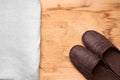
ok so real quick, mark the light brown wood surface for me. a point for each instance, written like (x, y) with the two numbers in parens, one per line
(64, 22)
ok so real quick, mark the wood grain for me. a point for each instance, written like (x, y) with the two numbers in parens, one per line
(64, 22)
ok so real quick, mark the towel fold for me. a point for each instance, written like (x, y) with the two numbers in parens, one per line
(19, 39)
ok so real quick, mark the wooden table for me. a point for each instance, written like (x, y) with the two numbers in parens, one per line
(64, 22)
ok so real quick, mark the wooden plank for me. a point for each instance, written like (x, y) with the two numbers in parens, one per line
(63, 23)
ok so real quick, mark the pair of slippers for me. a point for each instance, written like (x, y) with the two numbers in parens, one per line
(100, 60)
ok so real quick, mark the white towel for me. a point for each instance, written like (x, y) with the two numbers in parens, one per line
(19, 39)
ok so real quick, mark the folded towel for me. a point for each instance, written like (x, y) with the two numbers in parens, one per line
(19, 39)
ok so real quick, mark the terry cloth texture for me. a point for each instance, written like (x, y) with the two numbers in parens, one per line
(19, 39)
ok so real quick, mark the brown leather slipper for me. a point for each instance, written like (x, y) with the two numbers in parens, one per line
(90, 65)
(102, 47)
